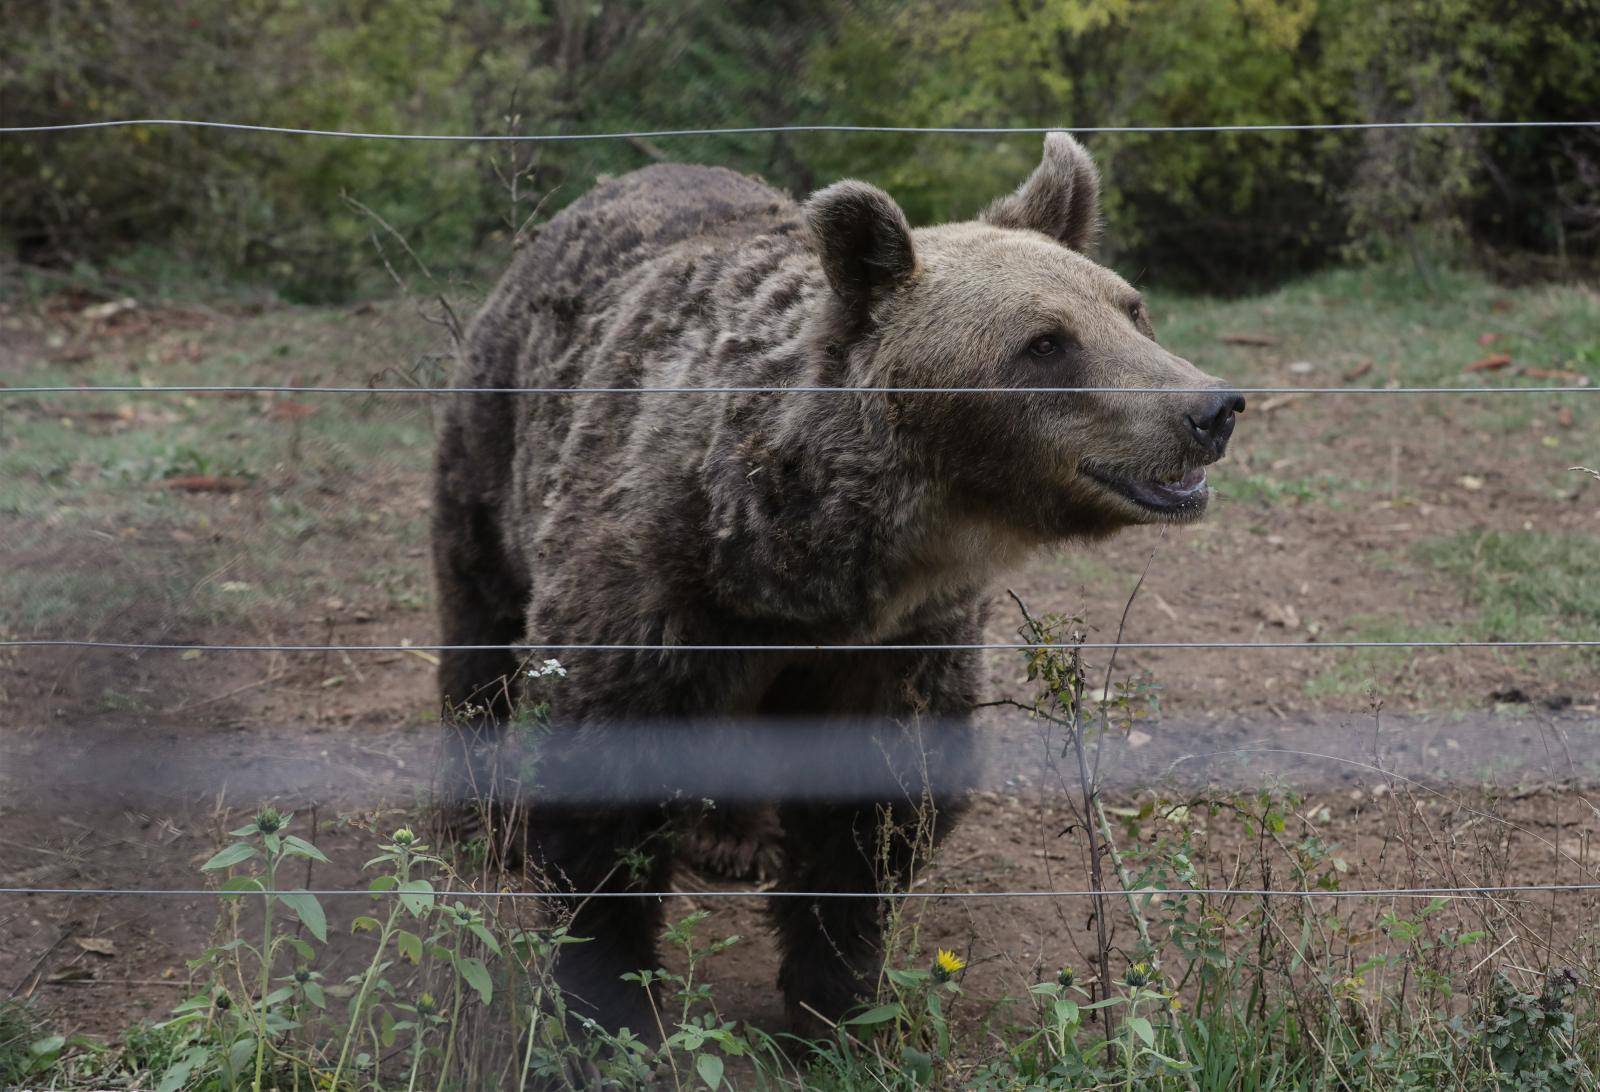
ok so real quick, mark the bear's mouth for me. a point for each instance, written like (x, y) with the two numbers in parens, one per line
(1185, 495)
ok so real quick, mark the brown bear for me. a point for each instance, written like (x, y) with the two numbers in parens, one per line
(874, 506)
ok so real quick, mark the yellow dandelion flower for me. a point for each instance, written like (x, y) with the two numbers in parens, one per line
(946, 965)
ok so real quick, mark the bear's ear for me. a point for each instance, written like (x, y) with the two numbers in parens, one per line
(1061, 198)
(863, 240)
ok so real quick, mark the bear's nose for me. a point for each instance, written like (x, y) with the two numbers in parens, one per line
(1211, 422)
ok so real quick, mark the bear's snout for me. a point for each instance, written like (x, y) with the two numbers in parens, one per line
(1211, 421)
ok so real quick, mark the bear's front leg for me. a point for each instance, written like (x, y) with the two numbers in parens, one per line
(595, 857)
(896, 727)
(832, 947)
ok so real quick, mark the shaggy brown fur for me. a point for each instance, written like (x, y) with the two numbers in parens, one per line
(787, 519)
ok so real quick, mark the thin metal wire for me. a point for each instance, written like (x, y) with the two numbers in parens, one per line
(1486, 891)
(137, 646)
(285, 389)
(752, 130)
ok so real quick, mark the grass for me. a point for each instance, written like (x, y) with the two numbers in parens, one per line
(1339, 318)
(28, 1048)
(1357, 673)
(86, 483)
(1265, 490)
(1522, 583)
(1511, 586)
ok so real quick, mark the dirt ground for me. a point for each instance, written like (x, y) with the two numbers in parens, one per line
(122, 770)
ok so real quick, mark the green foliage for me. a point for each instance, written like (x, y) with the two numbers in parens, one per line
(266, 1014)
(1227, 208)
(1528, 1036)
(268, 209)
(1231, 993)
(28, 1049)
(301, 213)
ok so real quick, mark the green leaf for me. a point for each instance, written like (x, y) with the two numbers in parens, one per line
(416, 896)
(230, 856)
(48, 1046)
(276, 997)
(919, 1062)
(1141, 1027)
(235, 885)
(364, 922)
(315, 995)
(487, 937)
(305, 904)
(302, 949)
(299, 847)
(477, 976)
(409, 944)
(908, 979)
(709, 1066)
(177, 1076)
(880, 1015)
(240, 1053)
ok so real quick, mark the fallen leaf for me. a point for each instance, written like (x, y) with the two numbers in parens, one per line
(102, 311)
(100, 946)
(1555, 373)
(1488, 339)
(1500, 306)
(1469, 482)
(290, 411)
(1358, 371)
(1492, 362)
(1163, 606)
(72, 974)
(1281, 614)
(205, 483)
(1258, 340)
(1302, 367)
(1277, 401)
(1564, 416)
(1137, 738)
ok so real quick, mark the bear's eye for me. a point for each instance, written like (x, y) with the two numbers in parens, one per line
(1046, 346)
(1136, 310)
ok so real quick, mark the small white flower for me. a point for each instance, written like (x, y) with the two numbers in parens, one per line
(547, 669)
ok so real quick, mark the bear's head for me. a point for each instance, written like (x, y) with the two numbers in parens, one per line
(1010, 301)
